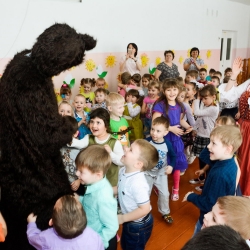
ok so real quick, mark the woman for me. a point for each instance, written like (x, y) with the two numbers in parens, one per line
(233, 211)
(193, 63)
(167, 69)
(130, 62)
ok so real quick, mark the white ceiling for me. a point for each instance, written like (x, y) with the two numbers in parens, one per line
(247, 2)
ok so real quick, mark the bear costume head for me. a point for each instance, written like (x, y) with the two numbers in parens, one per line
(32, 174)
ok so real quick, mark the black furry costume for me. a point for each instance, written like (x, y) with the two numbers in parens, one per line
(32, 175)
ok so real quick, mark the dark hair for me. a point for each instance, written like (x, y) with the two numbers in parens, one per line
(73, 122)
(69, 219)
(90, 81)
(136, 78)
(133, 92)
(217, 78)
(208, 90)
(125, 78)
(194, 49)
(202, 70)
(212, 71)
(134, 46)
(161, 120)
(103, 114)
(218, 73)
(101, 90)
(227, 70)
(193, 73)
(65, 89)
(149, 77)
(226, 79)
(216, 237)
(169, 52)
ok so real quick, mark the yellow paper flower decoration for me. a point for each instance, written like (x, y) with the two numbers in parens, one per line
(90, 65)
(110, 61)
(181, 59)
(209, 53)
(157, 60)
(188, 53)
(119, 78)
(58, 97)
(144, 60)
(173, 51)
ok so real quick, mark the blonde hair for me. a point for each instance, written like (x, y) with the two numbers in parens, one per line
(156, 84)
(236, 212)
(148, 154)
(114, 98)
(80, 95)
(226, 120)
(228, 135)
(95, 158)
(66, 103)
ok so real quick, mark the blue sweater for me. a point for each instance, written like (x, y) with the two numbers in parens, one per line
(221, 181)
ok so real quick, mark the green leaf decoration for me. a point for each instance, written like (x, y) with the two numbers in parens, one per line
(65, 82)
(103, 74)
(72, 83)
(152, 71)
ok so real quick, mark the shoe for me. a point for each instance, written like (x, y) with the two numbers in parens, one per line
(156, 190)
(182, 173)
(175, 196)
(196, 181)
(191, 159)
(168, 218)
(199, 188)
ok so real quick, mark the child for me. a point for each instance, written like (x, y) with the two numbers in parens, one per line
(191, 77)
(203, 75)
(125, 79)
(81, 116)
(99, 203)
(146, 78)
(132, 114)
(228, 72)
(85, 89)
(3, 228)
(69, 229)
(167, 158)
(101, 84)
(221, 181)
(100, 99)
(210, 74)
(168, 106)
(218, 74)
(207, 113)
(65, 93)
(99, 126)
(65, 108)
(215, 80)
(148, 102)
(136, 79)
(119, 125)
(133, 194)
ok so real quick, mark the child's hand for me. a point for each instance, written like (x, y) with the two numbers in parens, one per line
(31, 218)
(169, 169)
(176, 130)
(75, 184)
(185, 197)
(129, 98)
(120, 219)
(188, 130)
(108, 148)
(237, 116)
(199, 172)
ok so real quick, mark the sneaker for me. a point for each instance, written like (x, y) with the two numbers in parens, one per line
(196, 181)
(182, 172)
(199, 188)
(191, 159)
(168, 218)
(175, 194)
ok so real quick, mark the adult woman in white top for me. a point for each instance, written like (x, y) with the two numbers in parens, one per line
(130, 62)
(193, 63)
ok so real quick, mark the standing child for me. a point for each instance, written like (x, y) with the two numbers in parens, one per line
(167, 158)
(3, 228)
(64, 108)
(210, 74)
(133, 195)
(125, 81)
(86, 86)
(119, 125)
(98, 201)
(100, 99)
(132, 114)
(69, 229)
(65, 93)
(207, 113)
(203, 75)
(169, 106)
(81, 116)
(146, 78)
(148, 102)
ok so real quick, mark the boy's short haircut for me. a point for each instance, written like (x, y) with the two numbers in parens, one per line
(73, 122)
(125, 78)
(161, 120)
(228, 70)
(136, 78)
(100, 79)
(133, 92)
(226, 120)
(218, 73)
(226, 79)
(101, 90)
(202, 70)
(216, 77)
(69, 220)
(229, 135)
(148, 154)
(156, 84)
(114, 98)
(192, 73)
(80, 95)
(211, 71)
(95, 157)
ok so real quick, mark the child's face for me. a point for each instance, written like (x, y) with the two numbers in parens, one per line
(66, 97)
(181, 96)
(190, 91)
(65, 109)
(100, 97)
(116, 110)
(190, 78)
(97, 127)
(218, 75)
(87, 87)
(79, 103)
(228, 74)
(153, 92)
(215, 82)
(203, 75)
(100, 84)
(131, 156)
(213, 218)
(86, 176)
(208, 100)
(131, 98)
(157, 132)
(145, 82)
(171, 93)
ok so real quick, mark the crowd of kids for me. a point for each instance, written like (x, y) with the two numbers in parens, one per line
(126, 143)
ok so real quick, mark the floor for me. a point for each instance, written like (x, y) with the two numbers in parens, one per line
(185, 215)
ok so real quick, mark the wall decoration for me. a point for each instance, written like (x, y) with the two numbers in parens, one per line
(100, 72)
(69, 80)
(209, 54)
(181, 59)
(157, 61)
(144, 60)
(90, 65)
(151, 68)
(118, 78)
(110, 61)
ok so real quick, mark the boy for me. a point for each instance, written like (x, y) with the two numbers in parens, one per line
(167, 158)
(136, 78)
(203, 75)
(133, 194)
(228, 72)
(221, 181)
(191, 77)
(210, 74)
(98, 201)
(101, 84)
(119, 125)
(69, 229)
(218, 74)
(215, 81)
(100, 98)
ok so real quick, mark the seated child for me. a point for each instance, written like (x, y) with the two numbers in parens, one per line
(133, 194)
(100, 99)
(167, 158)
(98, 202)
(203, 75)
(221, 181)
(3, 228)
(146, 79)
(68, 229)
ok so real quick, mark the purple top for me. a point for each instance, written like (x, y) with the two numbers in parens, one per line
(49, 239)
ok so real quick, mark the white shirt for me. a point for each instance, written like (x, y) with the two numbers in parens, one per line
(130, 65)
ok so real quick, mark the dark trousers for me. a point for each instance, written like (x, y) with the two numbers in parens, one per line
(112, 244)
(202, 165)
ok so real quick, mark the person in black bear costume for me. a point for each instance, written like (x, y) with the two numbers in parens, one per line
(32, 175)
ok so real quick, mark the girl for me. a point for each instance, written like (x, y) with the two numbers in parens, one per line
(207, 113)
(148, 102)
(85, 89)
(65, 108)
(169, 106)
(99, 126)
(100, 99)
(132, 114)
(146, 78)
(65, 93)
